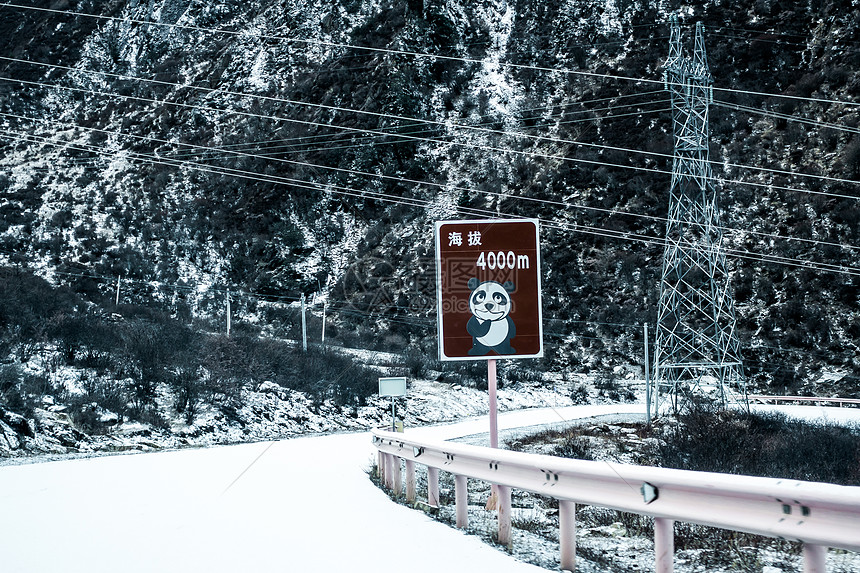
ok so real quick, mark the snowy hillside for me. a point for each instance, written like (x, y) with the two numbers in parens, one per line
(162, 161)
(61, 428)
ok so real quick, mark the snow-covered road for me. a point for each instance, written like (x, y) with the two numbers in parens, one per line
(298, 505)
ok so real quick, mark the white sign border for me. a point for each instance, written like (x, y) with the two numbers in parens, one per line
(387, 382)
(440, 339)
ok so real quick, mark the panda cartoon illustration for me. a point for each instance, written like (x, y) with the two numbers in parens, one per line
(490, 326)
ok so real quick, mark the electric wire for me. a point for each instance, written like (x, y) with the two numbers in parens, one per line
(269, 146)
(349, 309)
(423, 130)
(787, 117)
(415, 54)
(767, 36)
(478, 129)
(607, 233)
(437, 185)
(381, 115)
(600, 232)
(354, 143)
(817, 99)
(270, 37)
(347, 306)
(347, 128)
(522, 153)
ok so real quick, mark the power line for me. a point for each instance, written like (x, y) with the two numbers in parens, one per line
(411, 53)
(324, 43)
(787, 117)
(768, 36)
(431, 183)
(530, 154)
(346, 128)
(381, 115)
(346, 308)
(479, 129)
(268, 146)
(607, 233)
(424, 130)
(354, 143)
(339, 169)
(415, 202)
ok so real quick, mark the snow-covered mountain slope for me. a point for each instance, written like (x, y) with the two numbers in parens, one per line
(197, 152)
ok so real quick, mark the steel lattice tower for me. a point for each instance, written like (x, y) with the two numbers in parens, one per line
(697, 350)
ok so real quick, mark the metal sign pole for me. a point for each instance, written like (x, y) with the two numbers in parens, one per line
(493, 502)
(491, 386)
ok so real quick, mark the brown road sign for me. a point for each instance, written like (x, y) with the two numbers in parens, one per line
(488, 289)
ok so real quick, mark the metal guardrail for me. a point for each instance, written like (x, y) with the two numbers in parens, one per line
(806, 399)
(819, 515)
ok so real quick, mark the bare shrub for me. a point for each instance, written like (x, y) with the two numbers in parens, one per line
(579, 394)
(188, 388)
(770, 445)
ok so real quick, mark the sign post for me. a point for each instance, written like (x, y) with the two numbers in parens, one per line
(494, 409)
(488, 300)
(488, 294)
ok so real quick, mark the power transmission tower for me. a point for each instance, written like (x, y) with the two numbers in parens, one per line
(697, 349)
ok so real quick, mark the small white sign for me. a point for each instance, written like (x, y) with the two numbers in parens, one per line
(392, 386)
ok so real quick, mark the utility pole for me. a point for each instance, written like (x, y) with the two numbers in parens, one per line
(322, 339)
(228, 312)
(304, 327)
(647, 379)
(116, 302)
(696, 344)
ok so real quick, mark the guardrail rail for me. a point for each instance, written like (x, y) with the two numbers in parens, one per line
(852, 402)
(819, 515)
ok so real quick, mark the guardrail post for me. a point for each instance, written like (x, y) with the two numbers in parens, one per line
(389, 468)
(814, 558)
(504, 514)
(432, 486)
(462, 501)
(567, 534)
(389, 471)
(389, 482)
(410, 481)
(396, 475)
(380, 465)
(664, 544)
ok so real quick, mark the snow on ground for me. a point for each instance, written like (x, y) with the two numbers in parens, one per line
(268, 412)
(302, 504)
(824, 414)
